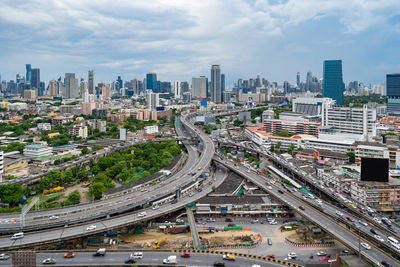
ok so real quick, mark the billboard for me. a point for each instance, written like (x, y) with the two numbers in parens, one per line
(160, 108)
(203, 103)
(374, 169)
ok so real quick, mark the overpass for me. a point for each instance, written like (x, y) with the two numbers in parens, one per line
(325, 221)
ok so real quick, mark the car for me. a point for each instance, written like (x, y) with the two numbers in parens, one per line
(91, 227)
(324, 259)
(339, 213)
(337, 191)
(363, 223)
(269, 187)
(280, 191)
(130, 260)
(365, 245)
(142, 214)
(376, 219)
(210, 220)
(345, 251)
(378, 237)
(301, 207)
(199, 190)
(4, 256)
(385, 264)
(137, 255)
(54, 217)
(185, 255)
(179, 220)
(191, 194)
(372, 230)
(49, 261)
(156, 207)
(231, 224)
(69, 254)
(321, 253)
(273, 222)
(228, 220)
(392, 217)
(254, 221)
(219, 264)
(228, 257)
(292, 255)
(269, 240)
(271, 256)
(362, 211)
(349, 219)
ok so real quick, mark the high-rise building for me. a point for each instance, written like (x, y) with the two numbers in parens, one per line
(177, 89)
(152, 100)
(91, 82)
(71, 86)
(28, 72)
(120, 83)
(199, 87)
(184, 87)
(53, 88)
(35, 78)
(393, 93)
(298, 79)
(223, 83)
(309, 81)
(151, 82)
(83, 87)
(333, 80)
(216, 83)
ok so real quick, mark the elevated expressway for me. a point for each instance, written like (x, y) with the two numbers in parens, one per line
(167, 190)
(325, 220)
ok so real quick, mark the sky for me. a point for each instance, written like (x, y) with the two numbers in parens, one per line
(181, 39)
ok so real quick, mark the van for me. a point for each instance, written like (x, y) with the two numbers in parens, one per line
(100, 252)
(170, 260)
(17, 235)
(393, 240)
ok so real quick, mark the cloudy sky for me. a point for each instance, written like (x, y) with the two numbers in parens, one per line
(179, 39)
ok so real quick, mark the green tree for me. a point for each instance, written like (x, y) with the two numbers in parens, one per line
(74, 198)
(278, 145)
(272, 149)
(14, 146)
(96, 190)
(207, 129)
(11, 193)
(351, 155)
(237, 123)
(291, 149)
(84, 151)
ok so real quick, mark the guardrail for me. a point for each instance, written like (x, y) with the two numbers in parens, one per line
(309, 244)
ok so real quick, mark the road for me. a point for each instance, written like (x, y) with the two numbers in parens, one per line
(328, 223)
(149, 258)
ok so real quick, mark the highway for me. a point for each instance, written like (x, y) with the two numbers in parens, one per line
(149, 258)
(349, 211)
(325, 221)
(193, 228)
(79, 213)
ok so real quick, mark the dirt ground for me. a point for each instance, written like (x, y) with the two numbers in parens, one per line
(184, 240)
(19, 172)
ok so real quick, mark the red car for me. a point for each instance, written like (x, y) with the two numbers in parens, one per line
(231, 224)
(324, 259)
(185, 255)
(349, 219)
(301, 207)
(362, 211)
(337, 191)
(271, 256)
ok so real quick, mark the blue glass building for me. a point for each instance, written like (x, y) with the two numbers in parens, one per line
(151, 82)
(393, 93)
(28, 72)
(333, 80)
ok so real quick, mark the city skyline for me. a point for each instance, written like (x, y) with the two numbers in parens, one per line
(181, 39)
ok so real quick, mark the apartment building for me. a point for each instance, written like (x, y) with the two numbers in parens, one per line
(78, 131)
(36, 151)
(260, 137)
(293, 126)
(358, 124)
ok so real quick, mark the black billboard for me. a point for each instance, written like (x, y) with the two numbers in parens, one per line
(374, 169)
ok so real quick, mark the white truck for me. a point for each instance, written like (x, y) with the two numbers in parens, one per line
(170, 260)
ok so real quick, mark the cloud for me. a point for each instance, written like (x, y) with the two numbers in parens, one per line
(177, 38)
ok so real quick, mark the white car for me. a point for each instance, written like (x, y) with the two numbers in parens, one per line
(365, 245)
(49, 261)
(155, 207)
(91, 227)
(142, 214)
(377, 220)
(321, 253)
(378, 237)
(339, 213)
(363, 223)
(54, 217)
(269, 187)
(292, 255)
(4, 256)
(273, 222)
(136, 255)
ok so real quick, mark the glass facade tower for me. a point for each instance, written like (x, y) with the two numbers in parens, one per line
(333, 80)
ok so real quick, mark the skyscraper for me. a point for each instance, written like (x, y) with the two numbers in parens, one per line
(223, 83)
(298, 79)
(53, 88)
(28, 72)
(71, 86)
(308, 80)
(35, 78)
(216, 83)
(152, 100)
(177, 89)
(91, 77)
(393, 93)
(151, 82)
(333, 80)
(199, 87)
(120, 83)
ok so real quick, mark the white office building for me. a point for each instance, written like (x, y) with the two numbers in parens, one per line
(346, 123)
(36, 151)
(310, 105)
(177, 89)
(151, 129)
(152, 100)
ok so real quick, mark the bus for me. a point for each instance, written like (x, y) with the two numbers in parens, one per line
(284, 176)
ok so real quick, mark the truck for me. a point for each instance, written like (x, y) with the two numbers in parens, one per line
(176, 229)
(170, 260)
